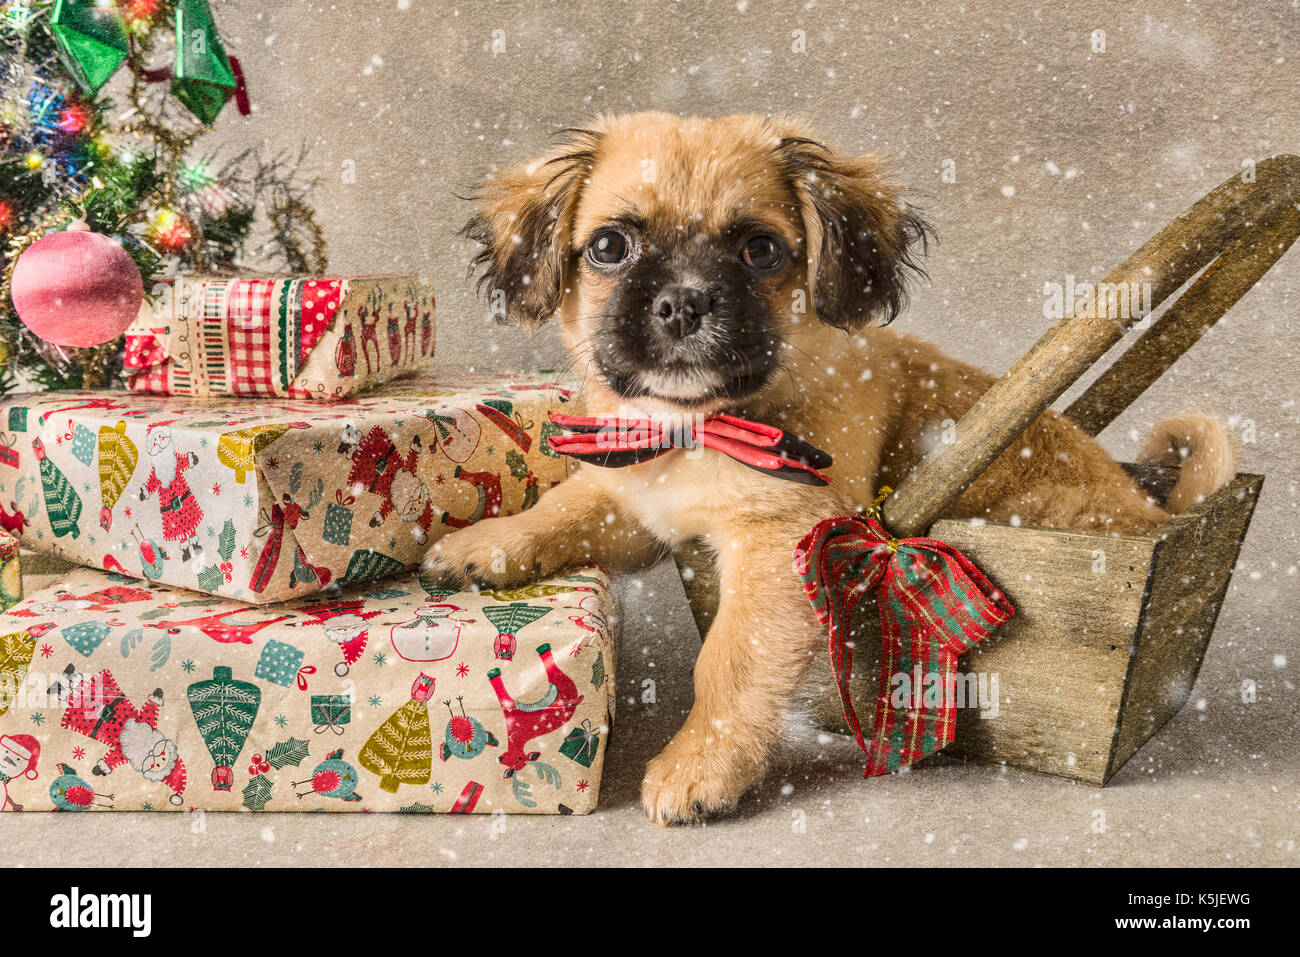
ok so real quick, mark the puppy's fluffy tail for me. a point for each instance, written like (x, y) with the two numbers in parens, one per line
(1204, 449)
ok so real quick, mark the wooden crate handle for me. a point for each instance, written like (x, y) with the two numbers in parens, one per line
(1240, 229)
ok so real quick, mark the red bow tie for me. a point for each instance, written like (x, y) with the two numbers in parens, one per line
(613, 442)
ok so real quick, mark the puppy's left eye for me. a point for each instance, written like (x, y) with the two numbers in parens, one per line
(609, 247)
(762, 252)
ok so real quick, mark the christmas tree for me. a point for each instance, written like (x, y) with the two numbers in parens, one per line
(131, 164)
(401, 749)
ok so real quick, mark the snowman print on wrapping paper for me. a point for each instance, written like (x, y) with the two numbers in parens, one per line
(19, 755)
(432, 635)
(179, 509)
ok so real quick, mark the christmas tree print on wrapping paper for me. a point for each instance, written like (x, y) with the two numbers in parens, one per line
(523, 592)
(85, 636)
(16, 652)
(224, 711)
(62, 503)
(401, 749)
(366, 564)
(238, 450)
(118, 457)
(509, 621)
(83, 444)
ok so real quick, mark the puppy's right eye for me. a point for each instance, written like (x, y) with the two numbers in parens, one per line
(608, 247)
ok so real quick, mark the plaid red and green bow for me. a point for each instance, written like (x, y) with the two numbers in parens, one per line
(934, 604)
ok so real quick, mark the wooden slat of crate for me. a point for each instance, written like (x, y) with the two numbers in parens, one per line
(1195, 555)
(1062, 660)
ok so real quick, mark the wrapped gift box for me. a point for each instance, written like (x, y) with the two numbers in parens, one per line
(299, 338)
(275, 500)
(399, 696)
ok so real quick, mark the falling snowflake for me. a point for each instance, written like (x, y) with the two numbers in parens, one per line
(146, 806)
(216, 488)
(375, 701)
(281, 721)
(318, 446)
(582, 787)
(188, 666)
(38, 719)
(462, 670)
(78, 754)
(381, 659)
(46, 651)
(437, 787)
(272, 463)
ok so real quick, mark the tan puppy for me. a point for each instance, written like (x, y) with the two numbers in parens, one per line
(699, 265)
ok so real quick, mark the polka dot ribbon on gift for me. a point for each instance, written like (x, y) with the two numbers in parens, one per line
(934, 604)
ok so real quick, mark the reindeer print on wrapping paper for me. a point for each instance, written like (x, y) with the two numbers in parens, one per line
(394, 338)
(369, 333)
(528, 720)
(408, 330)
(12, 519)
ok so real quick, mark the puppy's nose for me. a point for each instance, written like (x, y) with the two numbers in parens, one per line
(680, 309)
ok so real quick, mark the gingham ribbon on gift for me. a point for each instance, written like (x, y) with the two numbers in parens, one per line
(934, 604)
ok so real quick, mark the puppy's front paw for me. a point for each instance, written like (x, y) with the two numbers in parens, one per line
(483, 554)
(697, 778)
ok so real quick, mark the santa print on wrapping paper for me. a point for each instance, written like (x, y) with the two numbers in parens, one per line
(19, 755)
(95, 707)
(345, 624)
(378, 468)
(180, 510)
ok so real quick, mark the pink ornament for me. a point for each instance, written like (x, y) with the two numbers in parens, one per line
(77, 288)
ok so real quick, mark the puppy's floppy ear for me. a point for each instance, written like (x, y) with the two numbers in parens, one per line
(862, 238)
(523, 224)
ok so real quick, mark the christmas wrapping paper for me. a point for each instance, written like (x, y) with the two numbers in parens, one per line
(299, 338)
(395, 696)
(268, 501)
(11, 579)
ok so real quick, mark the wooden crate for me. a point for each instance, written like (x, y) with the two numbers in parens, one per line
(1106, 643)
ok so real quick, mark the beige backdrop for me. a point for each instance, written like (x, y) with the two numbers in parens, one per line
(1065, 159)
